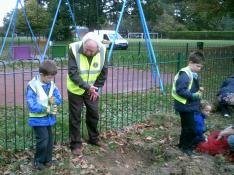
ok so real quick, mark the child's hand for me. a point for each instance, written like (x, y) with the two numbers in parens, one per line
(52, 109)
(55, 109)
(52, 100)
(197, 95)
(201, 89)
(205, 137)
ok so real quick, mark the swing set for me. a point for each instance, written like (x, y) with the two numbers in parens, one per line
(21, 52)
(25, 52)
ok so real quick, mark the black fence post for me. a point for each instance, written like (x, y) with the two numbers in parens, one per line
(200, 45)
(139, 48)
(178, 62)
(187, 50)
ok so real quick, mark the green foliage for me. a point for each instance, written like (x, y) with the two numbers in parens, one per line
(161, 16)
(38, 18)
(167, 23)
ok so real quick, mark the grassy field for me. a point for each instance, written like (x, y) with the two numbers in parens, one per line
(179, 42)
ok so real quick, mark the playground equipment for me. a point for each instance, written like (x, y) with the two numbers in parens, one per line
(19, 52)
(52, 27)
(22, 52)
(25, 52)
(151, 55)
(58, 51)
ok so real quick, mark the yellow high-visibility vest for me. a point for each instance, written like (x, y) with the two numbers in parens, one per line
(42, 97)
(88, 72)
(188, 71)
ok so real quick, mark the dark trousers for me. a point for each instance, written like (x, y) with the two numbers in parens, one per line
(75, 103)
(44, 144)
(188, 130)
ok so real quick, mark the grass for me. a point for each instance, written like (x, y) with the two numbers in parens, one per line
(183, 42)
(117, 111)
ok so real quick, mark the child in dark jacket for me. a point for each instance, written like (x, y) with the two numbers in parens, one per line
(199, 119)
(226, 96)
(187, 93)
(43, 97)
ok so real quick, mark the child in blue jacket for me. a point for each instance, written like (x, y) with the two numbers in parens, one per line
(43, 97)
(199, 119)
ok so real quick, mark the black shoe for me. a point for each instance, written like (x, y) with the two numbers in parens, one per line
(189, 152)
(77, 151)
(39, 166)
(98, 143)
(51, 163)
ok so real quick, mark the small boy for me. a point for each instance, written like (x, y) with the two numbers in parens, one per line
(43, 97)
(187, 93)
(200, 121)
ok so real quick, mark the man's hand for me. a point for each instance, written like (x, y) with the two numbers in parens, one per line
(94, 95)
(227, 131)
(92, 89)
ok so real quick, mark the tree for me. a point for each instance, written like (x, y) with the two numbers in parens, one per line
(202, 14)
(38, 18)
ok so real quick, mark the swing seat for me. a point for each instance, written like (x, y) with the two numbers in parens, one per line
(22, 52)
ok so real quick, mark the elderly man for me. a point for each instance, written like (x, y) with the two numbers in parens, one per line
(87, 72)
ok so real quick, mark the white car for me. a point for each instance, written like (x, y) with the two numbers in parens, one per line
(108, 37)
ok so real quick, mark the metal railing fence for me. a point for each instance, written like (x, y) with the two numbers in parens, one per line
(129, 95)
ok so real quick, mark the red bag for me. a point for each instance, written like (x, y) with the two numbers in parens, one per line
(213, 146)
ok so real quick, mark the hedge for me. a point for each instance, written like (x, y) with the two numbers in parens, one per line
(227, 35)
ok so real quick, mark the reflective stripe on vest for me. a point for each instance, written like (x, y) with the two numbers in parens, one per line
(188, 71)
(88, 72)
(42, 97)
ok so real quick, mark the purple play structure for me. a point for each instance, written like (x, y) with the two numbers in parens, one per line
(22, 52)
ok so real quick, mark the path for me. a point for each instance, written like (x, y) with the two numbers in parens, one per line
(120, 80)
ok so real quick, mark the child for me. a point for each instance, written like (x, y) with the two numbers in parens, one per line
(200, 121)
(226, 96)
(42, 99)
(187, 93)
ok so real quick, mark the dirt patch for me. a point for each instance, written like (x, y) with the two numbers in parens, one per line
(136, 160)
(123, 160)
